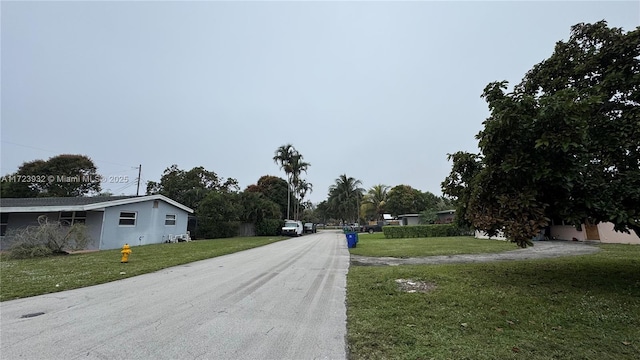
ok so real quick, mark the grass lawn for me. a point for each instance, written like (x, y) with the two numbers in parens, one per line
(584, 307)
(29, 277)
(378, 245)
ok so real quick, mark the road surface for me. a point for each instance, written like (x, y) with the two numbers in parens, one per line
(281, 301)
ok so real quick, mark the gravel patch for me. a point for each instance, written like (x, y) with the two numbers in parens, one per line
(540, 250)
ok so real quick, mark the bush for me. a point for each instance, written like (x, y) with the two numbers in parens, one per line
(218, 230)
(47, 238)
(414, 231)
(269, 227)
(25, 250)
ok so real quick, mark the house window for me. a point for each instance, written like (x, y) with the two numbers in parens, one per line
(127, 218)
(72, 217)
(170, 220)
(3, 224)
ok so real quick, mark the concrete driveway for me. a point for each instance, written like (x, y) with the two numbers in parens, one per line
(281, 301)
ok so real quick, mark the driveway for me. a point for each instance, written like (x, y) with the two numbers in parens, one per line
(540, 250)
(281, 301)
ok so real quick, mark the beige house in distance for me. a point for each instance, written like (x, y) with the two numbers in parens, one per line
(602, 232)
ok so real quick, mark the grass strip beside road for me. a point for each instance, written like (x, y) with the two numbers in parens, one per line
(377, 245)
(30, 277)
(583, 307)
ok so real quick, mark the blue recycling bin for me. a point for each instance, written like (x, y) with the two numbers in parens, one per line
(352, 239)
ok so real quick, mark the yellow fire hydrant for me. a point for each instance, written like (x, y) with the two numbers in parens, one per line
(126, 250)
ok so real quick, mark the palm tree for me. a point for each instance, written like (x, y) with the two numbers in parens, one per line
(297, 167)
(345, 196)
(291, 161)
(377, 197)
(303, 187)
(283, 156)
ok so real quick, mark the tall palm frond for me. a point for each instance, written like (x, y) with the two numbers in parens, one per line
(283, 157)
(377, 197)
(345, 197)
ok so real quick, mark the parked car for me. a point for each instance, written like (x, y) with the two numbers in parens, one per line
(292, 228)
(371, 228)
(310, 228)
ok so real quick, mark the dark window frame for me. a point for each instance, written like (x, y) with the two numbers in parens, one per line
(170, 219)
(125, 218)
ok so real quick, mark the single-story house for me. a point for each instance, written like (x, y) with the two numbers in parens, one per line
(444, 217)
(111, 221)
(409, 219)
(602, 232)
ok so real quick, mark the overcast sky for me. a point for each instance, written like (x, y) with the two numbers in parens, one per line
(381, 91)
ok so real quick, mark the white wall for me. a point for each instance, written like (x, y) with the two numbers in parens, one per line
(483, 235)
(608, 235)
(149, 228)
(605, 230)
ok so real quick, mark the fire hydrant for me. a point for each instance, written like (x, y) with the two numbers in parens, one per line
(126, 250)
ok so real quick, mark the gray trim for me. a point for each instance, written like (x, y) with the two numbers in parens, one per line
(10, 205)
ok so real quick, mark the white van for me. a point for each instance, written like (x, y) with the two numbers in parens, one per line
(292, 228)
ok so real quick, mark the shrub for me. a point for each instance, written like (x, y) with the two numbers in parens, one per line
(217, 230)
(269, 227)
(25, 250)
(47, 238)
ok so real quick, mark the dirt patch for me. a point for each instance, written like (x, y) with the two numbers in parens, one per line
(414, 286)
(540, 250)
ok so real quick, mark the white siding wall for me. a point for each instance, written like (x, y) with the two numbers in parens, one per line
(150, 225)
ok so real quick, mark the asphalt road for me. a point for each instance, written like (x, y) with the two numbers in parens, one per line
(281, 301)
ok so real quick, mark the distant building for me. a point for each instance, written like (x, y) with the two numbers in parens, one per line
(602, 232)
(446, 216)
(409, 219)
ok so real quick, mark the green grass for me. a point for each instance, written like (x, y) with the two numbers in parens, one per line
(30, 277)
(585, 307)
(378, 245)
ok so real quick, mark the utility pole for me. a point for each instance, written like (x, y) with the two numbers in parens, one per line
(139, 172)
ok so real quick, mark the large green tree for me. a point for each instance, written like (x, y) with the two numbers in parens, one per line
(189, 187)
(403, 199)
(219, 214)
(457, 186)
(272, 188)
(256, 207)
(63, 175)
(322, 212)
(565, 143)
